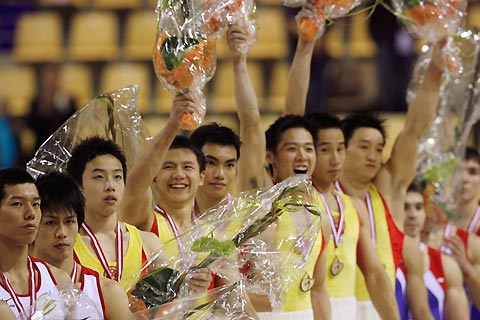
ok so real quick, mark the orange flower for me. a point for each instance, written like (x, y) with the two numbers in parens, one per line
(195, 60)
(189, 121)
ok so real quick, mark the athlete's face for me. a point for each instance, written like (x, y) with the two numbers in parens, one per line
(364, 153)
(295, 154)
(220, 170)
(103, 185)
(19, 214)
(414, 214)
(56, 237)
(470, 173)
(179, 178)
(330, 156)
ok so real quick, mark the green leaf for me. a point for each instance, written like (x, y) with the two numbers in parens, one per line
(214, 246)
(412, 3)
(158, 287)
(173, 51)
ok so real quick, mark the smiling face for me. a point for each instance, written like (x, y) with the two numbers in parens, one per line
(56, 237)
(19, 214)
(470, 175)
(103, 185)
(179, 178)
(295, 154)
(364, 154)
(330, 153)
(414, 214)
(220, 170)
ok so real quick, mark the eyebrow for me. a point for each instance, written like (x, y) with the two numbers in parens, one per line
(57, 216)
(23, 197)
(368, 141)
(328, 142)
(103, 170)
(297, 143)
(210, 157)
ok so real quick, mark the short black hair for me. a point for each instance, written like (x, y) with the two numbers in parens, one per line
(472, 154)
(323, 120)
(60, 192)
(89, 149)
(12, 177)
(181, 142)
(416, 186)
(362, 120)
(274, 133)
(216, 134)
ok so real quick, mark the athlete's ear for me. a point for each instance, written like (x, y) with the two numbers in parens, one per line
(202, 178)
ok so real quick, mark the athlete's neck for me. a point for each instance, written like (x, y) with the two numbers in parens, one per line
(101, 224)
(354, 188)
(182, 216)
(466, 211)
(325, 188)
(204, 202)
(13, 259)
(65, 264)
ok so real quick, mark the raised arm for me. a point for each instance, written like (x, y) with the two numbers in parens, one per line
(251, 172)
(376, 279)
(299, 74)
(136, 205)
(399, 171)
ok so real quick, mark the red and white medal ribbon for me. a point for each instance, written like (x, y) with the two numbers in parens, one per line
(73, 274)
(371, 217)
(337, 232)
(181, 246)
(97, 248)
(474, 222)
(32, 290)
(446, 234)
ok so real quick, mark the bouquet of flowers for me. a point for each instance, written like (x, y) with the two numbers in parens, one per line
(313, 24)
(184, 53)
(458, 110)
(112, 116)
(434, 21)
(67, 303)
(223, 233)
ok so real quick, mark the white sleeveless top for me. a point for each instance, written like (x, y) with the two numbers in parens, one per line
(90, 285)
(45, 292)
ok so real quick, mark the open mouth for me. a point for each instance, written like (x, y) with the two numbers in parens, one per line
(300, 171)
(178, 186)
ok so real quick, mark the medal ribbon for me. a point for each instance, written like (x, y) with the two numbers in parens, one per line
(73, 274)
(181, 246)
(97, 248)
(337, 232)
(446, 234)
(32, 290)
(474, 222)
(371, 217)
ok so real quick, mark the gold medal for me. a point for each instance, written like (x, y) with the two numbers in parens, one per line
(336, 267)
(307, 283)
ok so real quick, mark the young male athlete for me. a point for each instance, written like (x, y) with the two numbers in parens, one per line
(221, 148)
(468, 203)
(443, 277)
(351, 245)
(23, 279)
(363, 174)
(62, 215)
(112, 248)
